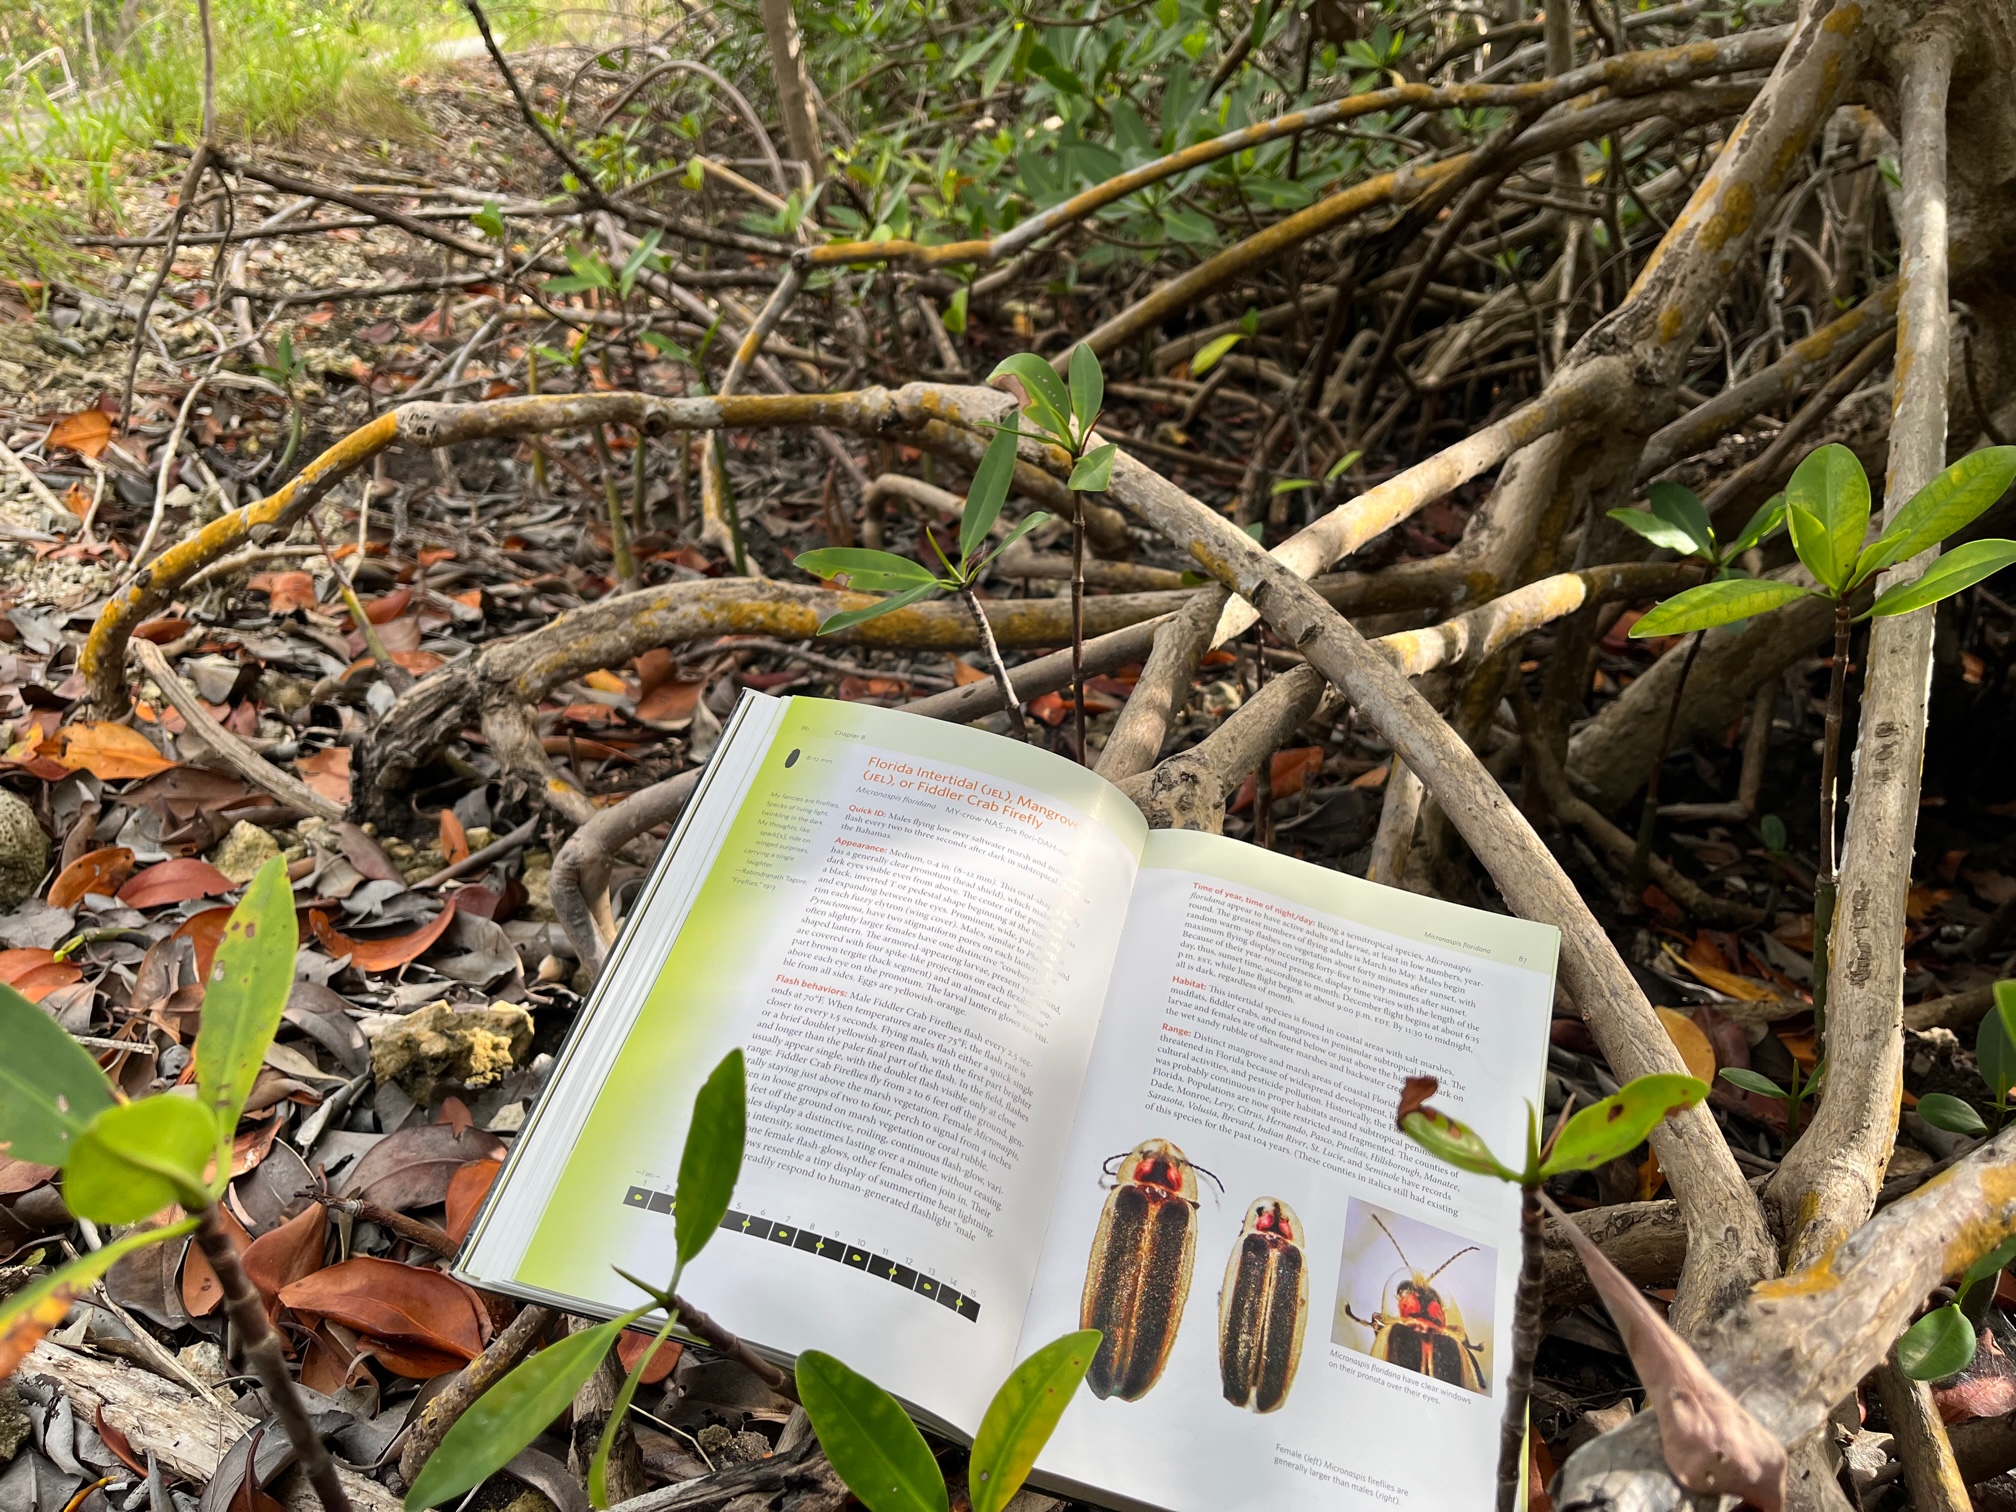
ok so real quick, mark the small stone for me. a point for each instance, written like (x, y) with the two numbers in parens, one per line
(206, 1362)
(538, 880)
(15, 1425)
(439, 1047)
(24, 850)
(478, 836)
(243, 850)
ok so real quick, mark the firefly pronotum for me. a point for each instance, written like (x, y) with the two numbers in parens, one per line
(1419, 1331)
(1138, 1277)
(1263, 1308)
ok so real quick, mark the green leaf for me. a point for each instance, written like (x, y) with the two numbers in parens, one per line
(50, 1089)
(1959, 569)
(1094, 470)
(1988, 1264)
(1995, 1042)
(138, 1158)
(847, 617)
(1951, 501)
(1771, 830)
(1619, 1123)
(247, 993)
(864, 570)
(619, 1410)
(954, 318)
(1023, 1415)
(1678, 506)
(1088, 387)
(73, 1278)
(1049, 404)
(1938, 1345)
(1453, 1143)
(1039, 518)
(489, 220)
(1341, 466)
(869, 1438)
(1282, 486)
(1832, 490)
(987, 493)
(1751, 1081)
(1206, 357)
(512, 1413)
(1943, 1110)
(712, 1158)
(1764, 524)
(1660, 532)
(1718, 603)
(646, 249)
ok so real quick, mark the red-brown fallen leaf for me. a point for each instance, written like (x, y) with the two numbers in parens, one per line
(964, 672)
(17, 963)
(365, 853)
(416, 1362)
(1711, 1442)
(175, 881)
(236, 1487)
(431, 556)
(119, 1444)
(860, 689)
(161, 631)
(667, 702)
(454, 838)
(327, 1363)
(400, 1304)
(38, 983)
(206, 932)
(384, 610)
(630, 1347)
(87, 432)
(285, 591)
(202, 1292)
(99, 871)
(109, 752)
(380, 955)
(18, 1176)
(281, 1256)
(654, 667)
(1289, 771)
(77, 499)
(466, 1190)
(327, 771)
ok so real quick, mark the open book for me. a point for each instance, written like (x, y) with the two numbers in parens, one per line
(1017, 1065)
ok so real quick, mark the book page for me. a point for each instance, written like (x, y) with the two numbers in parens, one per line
(1303, 1309)
(908, 927)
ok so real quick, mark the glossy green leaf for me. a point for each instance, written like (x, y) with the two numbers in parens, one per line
(987, 493)
(1679, 506)
(1341, 466)
(1950, 502)
(1752, 1081)
(1830, 488)
(867, 612)
(512, 1413)
(864, 570)
(1938, 1345)
(247, 993)
(869, 1438)
(1943, 1110)
(619, 1413)
(1995, 1042)
(1771, 830)
(80, 1273)
(1662, 533)
(1049, 403)
(50, 1089)
(1453, 1143)
(1619, 1123)
(138, 1158)
(1094, 470)
(1718, 603)
(1023, 1415)
(489, 220)
(1987, 1265)
(712, 1159)
(1035, 521)
(1088, 387)
(1208, 355)
(954, 318)
(1958, 569)
(1767, 522)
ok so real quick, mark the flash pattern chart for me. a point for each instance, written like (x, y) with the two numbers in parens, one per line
(854, 1257)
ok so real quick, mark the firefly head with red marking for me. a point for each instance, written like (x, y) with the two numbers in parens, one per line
(1161, 1171)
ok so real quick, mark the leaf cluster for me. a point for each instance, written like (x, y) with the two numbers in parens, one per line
(1826, 509)
(1598, 1134)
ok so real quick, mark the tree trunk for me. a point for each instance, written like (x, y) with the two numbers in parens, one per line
(794, 85)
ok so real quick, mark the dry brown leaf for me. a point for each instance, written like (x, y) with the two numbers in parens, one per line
(400, 1304)
(285, 591)
(1692, 1044)
(205, 931)
(1728, 983)
(669, 702)
(202, 1292)
(100, 871)
(466, 1190)
(380, 955)
(327, 771)
(630, 1347)
(35, 973)
(416, 1166)
(281, 1256)
(87, 432)
(1711, 1442)
(109, 752)
(454, 838)
(175, 881)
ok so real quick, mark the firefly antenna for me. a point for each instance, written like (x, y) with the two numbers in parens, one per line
(1467, 1249)
(1394, 1242)
(1212, 1174)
